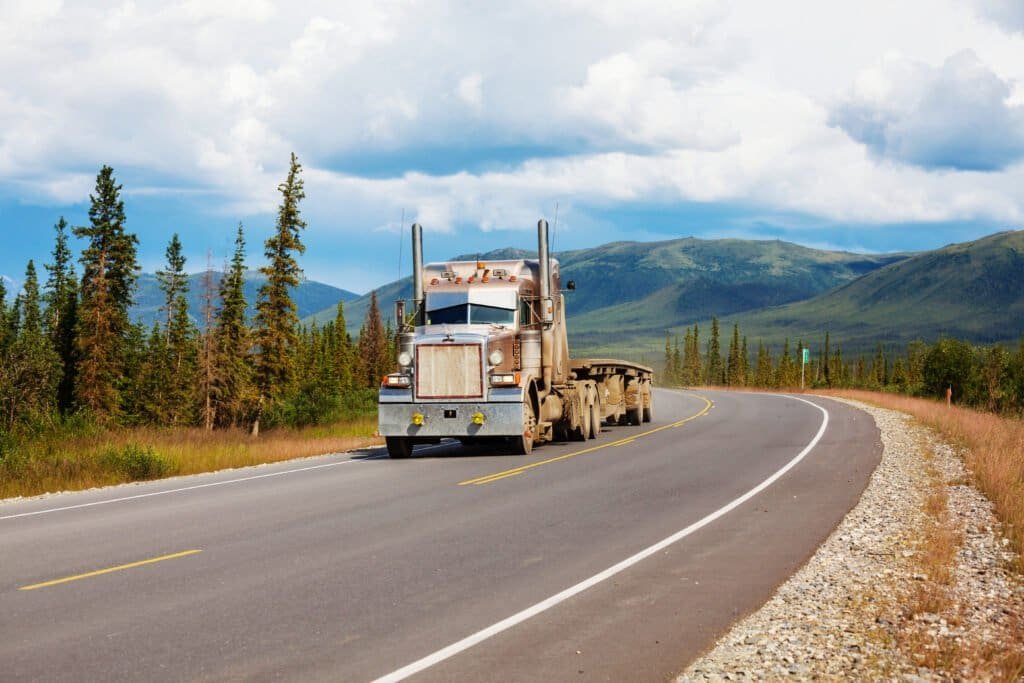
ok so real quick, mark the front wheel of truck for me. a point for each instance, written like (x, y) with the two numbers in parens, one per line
(398, 447)
(523, 445)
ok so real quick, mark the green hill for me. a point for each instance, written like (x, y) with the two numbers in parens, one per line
(309, 296)
(626, 290)
(972, 291)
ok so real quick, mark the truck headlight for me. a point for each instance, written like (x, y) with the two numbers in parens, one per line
(496, 357)
(397, 381)
(509, 379)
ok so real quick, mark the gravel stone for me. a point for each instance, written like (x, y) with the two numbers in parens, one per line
(843, 613)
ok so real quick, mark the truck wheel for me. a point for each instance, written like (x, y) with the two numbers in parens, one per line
(648, 413)
(595, 420)
(398, 447)
(523, 444)
(582, 431)
(634, 416)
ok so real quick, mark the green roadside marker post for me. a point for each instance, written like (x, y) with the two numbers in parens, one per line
(805, 358)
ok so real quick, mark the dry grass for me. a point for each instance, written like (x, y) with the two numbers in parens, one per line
(992, 447)
(57, 463)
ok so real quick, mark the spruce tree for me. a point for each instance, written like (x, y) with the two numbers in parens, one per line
(276, 314)
(764, 373)
(29, 367)
(109, 272)
(715, 370)
(179, 365)
(232, 390)
(4, 315)
(341, 352)
(826, 361)
(744, 362)
(61, 314)
(372, 347)
(786, 374)
(734, 371)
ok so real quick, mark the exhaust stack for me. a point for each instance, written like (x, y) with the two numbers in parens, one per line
(417, 273)
(547, 311)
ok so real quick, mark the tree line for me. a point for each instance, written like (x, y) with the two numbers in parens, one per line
(68, 346)
(987, 377)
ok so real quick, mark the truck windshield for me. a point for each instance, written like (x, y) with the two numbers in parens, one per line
(476, 314)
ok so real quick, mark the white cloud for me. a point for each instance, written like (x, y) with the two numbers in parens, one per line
(1008, 13)
(658, 102)
(956, 115)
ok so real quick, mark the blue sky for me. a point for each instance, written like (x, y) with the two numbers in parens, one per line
(832, 124)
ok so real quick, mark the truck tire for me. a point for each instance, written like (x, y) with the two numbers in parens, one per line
(648, 413)
(523, 444)
(398, 447)
(595, 419)
(582, 431)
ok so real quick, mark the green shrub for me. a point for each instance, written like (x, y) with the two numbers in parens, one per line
(137, 462)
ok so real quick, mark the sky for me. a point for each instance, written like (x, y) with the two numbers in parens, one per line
(871, 126)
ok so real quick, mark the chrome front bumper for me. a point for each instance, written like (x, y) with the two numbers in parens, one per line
(451, 419)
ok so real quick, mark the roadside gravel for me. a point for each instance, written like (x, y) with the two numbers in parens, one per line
(855, 610)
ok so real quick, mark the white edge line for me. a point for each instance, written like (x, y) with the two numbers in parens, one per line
(200, 486)
(518, 618)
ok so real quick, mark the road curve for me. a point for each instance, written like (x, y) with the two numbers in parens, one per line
(615, 559)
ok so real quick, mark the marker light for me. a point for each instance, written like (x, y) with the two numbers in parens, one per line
(496, 357)
(404, 359)
(417, 419)
(397, 381)
(478, 418)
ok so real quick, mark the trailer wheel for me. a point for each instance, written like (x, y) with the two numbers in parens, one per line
(523, 444)
(595, 419)
(398, 447)
(648, 413)
(582, 430)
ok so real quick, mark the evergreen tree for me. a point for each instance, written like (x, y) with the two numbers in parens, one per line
(232, 392)
(179, 365)
(372, 347)
(108, 281)
(276, 314)
(696, 367)
(826, 361)
(764, 372)
(787, 374)
(715, 370)
(734, 370)
(744, 362)
(29, 367)
(341, 352)
(62, 313)
(4, 315)
(677, 363)
(670, 367)
(173, 280)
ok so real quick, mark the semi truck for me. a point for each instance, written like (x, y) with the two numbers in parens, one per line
(483, 357)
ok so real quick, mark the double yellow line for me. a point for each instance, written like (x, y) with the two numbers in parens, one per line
(629, 439)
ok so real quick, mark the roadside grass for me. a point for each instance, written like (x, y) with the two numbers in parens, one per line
(75, 458)
(992, 447)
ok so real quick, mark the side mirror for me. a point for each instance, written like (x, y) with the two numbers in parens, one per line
(571, 285)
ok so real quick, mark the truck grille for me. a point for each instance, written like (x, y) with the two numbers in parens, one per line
(449, 371)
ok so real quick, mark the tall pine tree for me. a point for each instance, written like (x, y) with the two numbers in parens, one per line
(715, 370)
(29, 367)
(232, 390)
(108, 281)
(373, 347)
(276, 316)
(61, 314)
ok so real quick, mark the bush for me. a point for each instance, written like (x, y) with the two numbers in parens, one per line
(137, 462)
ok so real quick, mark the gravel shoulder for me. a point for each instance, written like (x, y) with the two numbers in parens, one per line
(869, 604)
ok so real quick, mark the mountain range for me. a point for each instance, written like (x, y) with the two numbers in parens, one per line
(629, 294)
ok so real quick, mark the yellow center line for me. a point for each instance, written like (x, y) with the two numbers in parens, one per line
(108, 570)
(629, 439)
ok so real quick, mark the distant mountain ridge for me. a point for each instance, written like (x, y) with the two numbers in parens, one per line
(310, 296)
(650, 284)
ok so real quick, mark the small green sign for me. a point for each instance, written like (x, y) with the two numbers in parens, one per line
(807, 356)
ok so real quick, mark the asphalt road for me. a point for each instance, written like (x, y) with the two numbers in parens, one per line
(619, 559)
